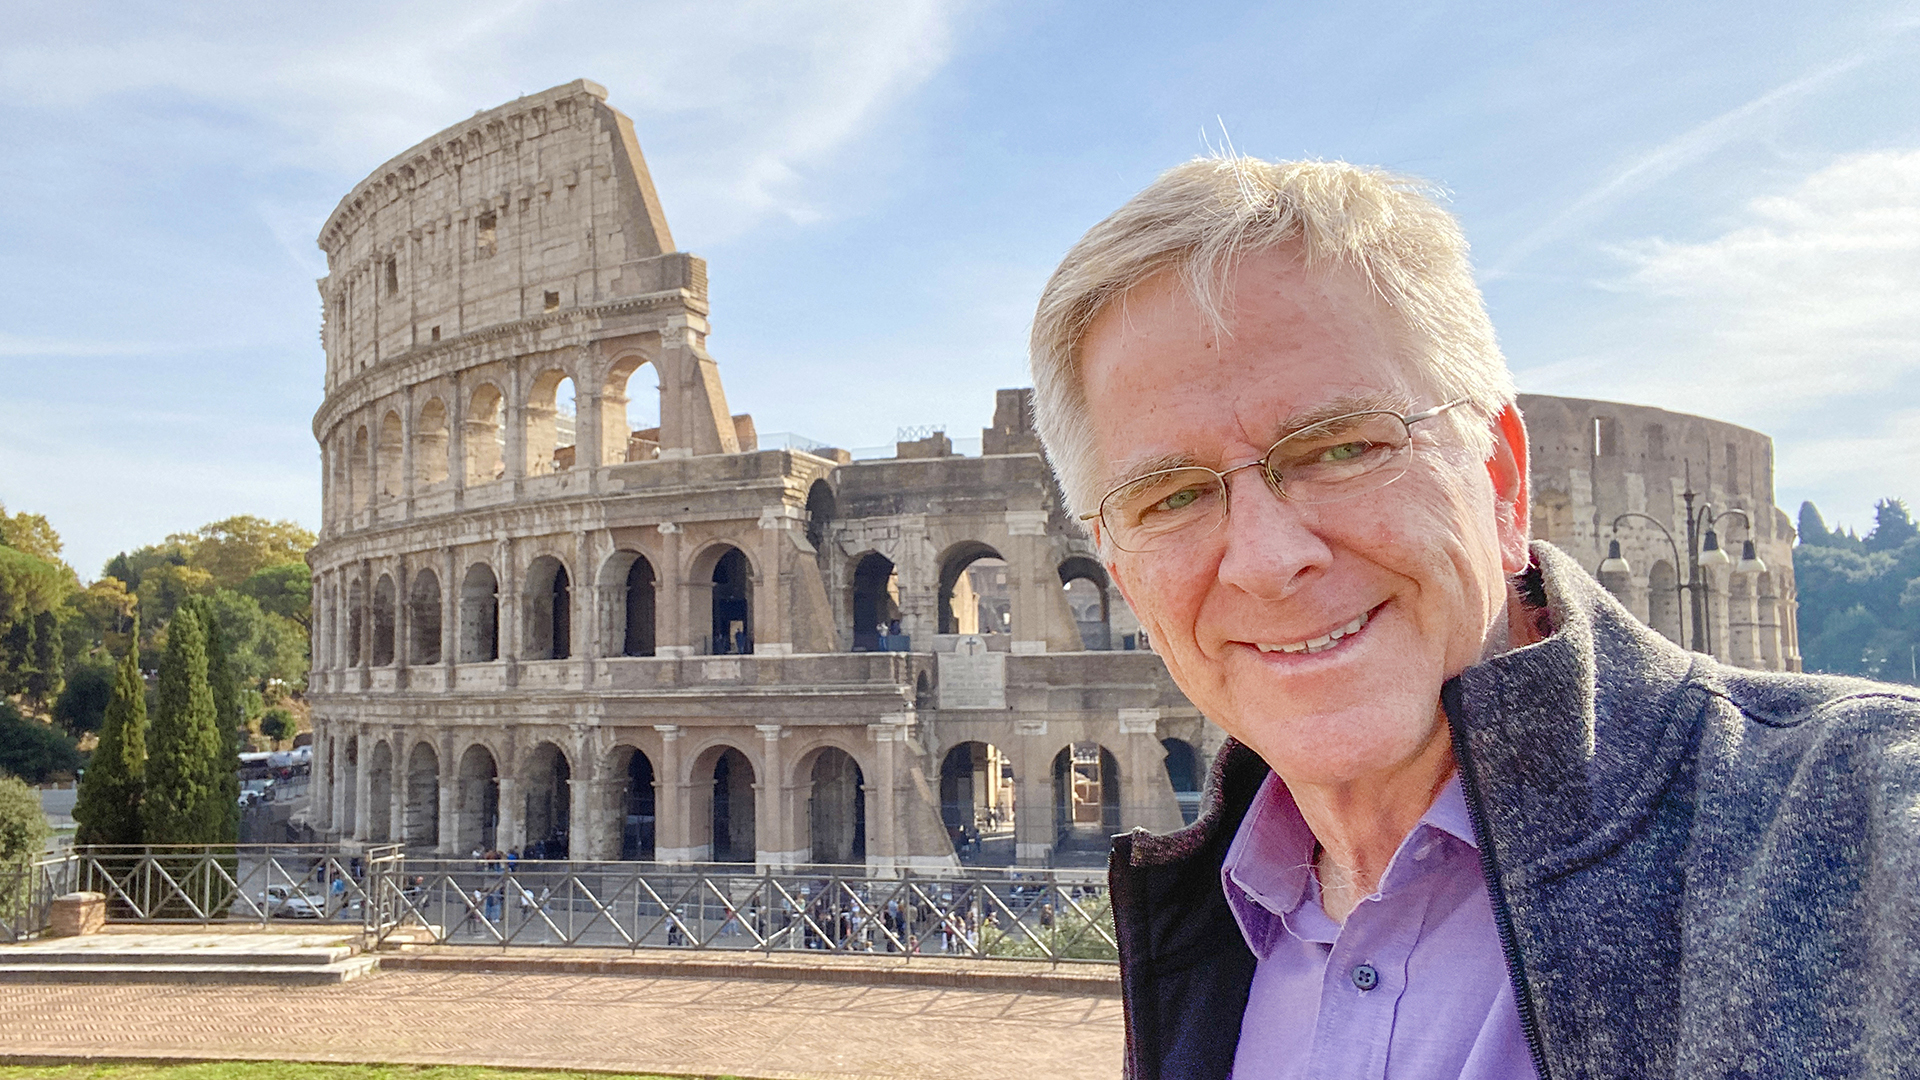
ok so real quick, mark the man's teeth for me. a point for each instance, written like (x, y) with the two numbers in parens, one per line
(1319, 644)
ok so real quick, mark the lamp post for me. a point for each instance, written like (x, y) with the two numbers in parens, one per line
(1703, 550)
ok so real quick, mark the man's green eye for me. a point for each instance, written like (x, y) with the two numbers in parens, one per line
(1346, 451)
(1179, 500)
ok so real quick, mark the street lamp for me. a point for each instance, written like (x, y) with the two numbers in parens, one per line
(1702, 551)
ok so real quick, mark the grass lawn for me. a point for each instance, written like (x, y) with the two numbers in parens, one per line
(286, 1070)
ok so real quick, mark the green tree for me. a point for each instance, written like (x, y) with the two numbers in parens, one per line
(229, 713)
(278, 724)
(1893, 527)
(107, 807)
(233, 550)
(82, 705)
(285, 590)
(23, 825)
(35, 751)
(181, 805)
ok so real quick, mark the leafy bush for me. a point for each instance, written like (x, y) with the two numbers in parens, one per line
(34, 751)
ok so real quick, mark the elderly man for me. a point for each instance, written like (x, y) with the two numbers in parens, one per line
(1474, 820)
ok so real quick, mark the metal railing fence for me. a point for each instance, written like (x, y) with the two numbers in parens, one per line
(1054, 915)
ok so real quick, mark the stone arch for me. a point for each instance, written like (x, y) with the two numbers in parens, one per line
(721, 599)
(431, 444)
(479, 615)
(1184, 773)
(628, 590)
(629, 422)
(484, 435)
(550, 418)
(477, 799)
(383, 621)
(546, 777)
(977, 802)
(1663, 601)
(393, 456)
(1086, 797)
(423, 618)
(356, 622)
(836, 805)
(633, 807)
(821, 507)
(360, 466)
(723, 781)
(548, 602)
(421, 821)
(1084, 581)
(974, 600)
(874, 602)
(379, 807)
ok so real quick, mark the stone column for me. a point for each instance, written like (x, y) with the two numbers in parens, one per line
(670, 597)
(772, 831)
(509, 836)
(449, 846)
(362, 783)
(672, 832)
(1146, 794)
(583, 810)
(449, 614)
(337, 788)
(320, 816)
(883, 807)
(1033, 797)
(399, 788)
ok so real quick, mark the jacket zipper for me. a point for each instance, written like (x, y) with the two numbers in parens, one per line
(1502, 915)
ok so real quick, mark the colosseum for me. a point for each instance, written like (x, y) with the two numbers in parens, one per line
(567, 603)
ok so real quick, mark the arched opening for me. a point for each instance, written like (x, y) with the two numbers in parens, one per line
(820, 510)
(630, 411)
(1085, 584)
(1086, 797)
(876, 605)
(837, 809)
(383, 602)
(732, 820)
(974, 592)
(1183, 772)
(546, 778)
(484, 436)
(551, 423)
(422, 822)
(1663, 601)
(393, 454)
(361, 480)
(732, 604)
(356, 622)
(477, 800)
(380, 794)
(977, 803)
(479, 615)
(549, 608)
(638, 638)
(430, 444)
(423, 619)
(636, 806)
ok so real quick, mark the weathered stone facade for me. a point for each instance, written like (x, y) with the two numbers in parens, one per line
(1596, 460)
(669, 643)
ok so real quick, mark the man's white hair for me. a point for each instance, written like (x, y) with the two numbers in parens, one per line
(1199, 219)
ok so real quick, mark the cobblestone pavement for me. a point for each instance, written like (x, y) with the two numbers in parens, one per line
(743, 1027)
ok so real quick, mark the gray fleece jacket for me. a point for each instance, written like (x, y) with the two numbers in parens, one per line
(1696, 870)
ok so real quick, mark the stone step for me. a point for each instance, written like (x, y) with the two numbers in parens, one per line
(43, 955)
(222, 974)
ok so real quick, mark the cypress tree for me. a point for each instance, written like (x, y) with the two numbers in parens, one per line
(108, 804)
(227, 709)
(181, 804)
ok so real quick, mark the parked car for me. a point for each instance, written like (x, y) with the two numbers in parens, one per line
(283, 901)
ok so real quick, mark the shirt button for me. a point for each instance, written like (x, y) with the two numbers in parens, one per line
(1365, 977)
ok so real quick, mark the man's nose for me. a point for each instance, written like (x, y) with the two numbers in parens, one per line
(1272, 544)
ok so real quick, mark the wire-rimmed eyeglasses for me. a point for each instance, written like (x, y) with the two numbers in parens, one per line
(1333, 459)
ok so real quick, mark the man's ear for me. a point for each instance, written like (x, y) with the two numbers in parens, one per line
(1507, 468)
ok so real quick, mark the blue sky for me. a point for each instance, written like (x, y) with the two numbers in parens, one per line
(1708, 207)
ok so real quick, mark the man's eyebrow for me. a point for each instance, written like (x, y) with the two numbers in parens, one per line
(1370, 401)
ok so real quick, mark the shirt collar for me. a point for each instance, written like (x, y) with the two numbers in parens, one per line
(1267, 873)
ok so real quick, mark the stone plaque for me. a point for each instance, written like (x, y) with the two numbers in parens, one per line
(971, 677)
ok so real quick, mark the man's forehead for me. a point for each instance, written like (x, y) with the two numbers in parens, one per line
(1285, 422)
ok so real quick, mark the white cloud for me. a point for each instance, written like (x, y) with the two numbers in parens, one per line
(1803, 320)
(765, 91)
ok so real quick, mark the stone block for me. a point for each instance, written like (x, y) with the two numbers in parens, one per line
(77, 913)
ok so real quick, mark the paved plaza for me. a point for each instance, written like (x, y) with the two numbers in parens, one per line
(702, 1027)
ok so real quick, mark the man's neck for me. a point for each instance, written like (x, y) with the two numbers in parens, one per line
(1359, 825)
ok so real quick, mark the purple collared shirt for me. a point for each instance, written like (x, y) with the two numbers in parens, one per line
(1413, 986)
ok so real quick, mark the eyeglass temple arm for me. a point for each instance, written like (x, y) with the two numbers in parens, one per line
(1436, 411)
